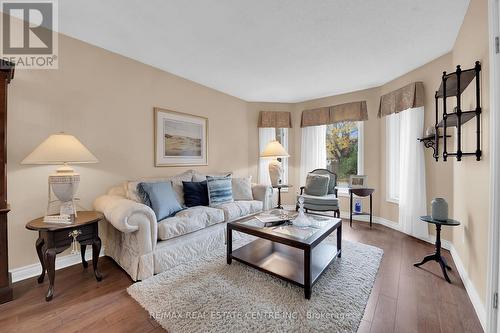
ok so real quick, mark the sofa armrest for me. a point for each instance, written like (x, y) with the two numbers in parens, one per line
(263, 193)
(129, 216)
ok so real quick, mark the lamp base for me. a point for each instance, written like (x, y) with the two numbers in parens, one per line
(276, 172)
(63, 184)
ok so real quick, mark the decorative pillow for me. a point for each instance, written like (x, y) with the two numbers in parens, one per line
(176, 180)
(195, 193)
(219, 190)
(316, 184)
(199, 177)
(242, 188)
(161, 198)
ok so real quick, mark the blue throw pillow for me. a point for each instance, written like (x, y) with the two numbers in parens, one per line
(195, 193)
(161, 198)
(219, 190)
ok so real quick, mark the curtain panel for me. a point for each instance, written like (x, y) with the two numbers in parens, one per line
(275, 119)
(312, 150)
(354, 111)
(407, 97)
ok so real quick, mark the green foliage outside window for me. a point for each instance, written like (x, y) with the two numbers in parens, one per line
(342, 149)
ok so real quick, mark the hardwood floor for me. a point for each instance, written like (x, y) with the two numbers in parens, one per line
(403, 299)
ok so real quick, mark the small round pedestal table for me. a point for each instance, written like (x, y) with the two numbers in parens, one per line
(437, 255)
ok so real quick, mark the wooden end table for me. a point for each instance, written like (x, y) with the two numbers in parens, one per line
(54, 238)
(279, 187)
(436, 256)
(360, 192)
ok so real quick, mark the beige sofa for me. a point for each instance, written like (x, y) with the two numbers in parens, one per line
(143, 246)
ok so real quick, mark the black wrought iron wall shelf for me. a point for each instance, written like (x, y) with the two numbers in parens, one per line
(453, 85)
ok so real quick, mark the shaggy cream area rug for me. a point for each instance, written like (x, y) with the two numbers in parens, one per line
(207, 295)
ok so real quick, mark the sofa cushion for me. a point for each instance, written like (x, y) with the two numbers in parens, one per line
(236, 209)
(195, 193)
(242, 188)
(160, 197)
(189, 220)
(219, 190)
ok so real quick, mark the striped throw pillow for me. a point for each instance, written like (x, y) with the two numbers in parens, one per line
(219, 190)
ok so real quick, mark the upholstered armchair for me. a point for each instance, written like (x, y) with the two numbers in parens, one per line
(327, 202)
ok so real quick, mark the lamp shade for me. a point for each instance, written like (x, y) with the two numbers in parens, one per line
(274, 149)
(60, 148)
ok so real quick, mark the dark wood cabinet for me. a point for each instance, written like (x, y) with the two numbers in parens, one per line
(6, 75)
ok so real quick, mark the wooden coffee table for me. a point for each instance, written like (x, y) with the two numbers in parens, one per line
(296, 255)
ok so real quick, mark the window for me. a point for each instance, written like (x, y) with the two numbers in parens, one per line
(344, 154)
(392, 157)
(282, 137)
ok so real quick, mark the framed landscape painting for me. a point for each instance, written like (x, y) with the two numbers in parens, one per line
(180, 139)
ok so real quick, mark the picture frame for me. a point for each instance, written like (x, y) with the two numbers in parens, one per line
(357, 181)
(181, 139)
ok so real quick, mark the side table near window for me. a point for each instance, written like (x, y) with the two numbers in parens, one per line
(54, 238)
(279, 187)
(360, 192)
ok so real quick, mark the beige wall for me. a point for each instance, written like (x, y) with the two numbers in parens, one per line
(471, 178)
(106, 101)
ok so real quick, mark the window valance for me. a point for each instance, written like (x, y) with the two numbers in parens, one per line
(409, 96)
(276, 119)
(354, 111)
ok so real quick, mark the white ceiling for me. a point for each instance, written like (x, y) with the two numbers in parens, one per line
(272, 50)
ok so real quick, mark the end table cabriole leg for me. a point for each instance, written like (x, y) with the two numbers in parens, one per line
(307, 274)
(96, 249)
(82, 251)
(39, 251)
(229, 245)
(50, 262)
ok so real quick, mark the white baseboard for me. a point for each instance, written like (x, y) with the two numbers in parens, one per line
(28, 271)
(469, 286)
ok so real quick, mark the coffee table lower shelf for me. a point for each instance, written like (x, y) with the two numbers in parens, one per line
(286, 262)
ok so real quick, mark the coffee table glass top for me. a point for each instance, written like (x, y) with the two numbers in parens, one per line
(319, 224)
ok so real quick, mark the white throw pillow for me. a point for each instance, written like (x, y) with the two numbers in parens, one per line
(199, 177)
(242, 188)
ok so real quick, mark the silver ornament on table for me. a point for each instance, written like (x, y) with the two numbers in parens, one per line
(74, 244)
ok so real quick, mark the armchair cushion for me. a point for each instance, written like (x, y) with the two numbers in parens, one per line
(317, 184)
(333, 179)
(326, 202)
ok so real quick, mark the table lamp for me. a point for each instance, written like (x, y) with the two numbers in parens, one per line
(276, 151)
(62, 149)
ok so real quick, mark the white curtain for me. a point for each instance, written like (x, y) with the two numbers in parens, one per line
(412, 195)
(266, 135)
(313, 150)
